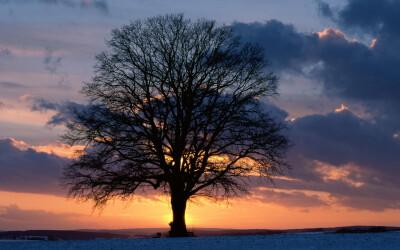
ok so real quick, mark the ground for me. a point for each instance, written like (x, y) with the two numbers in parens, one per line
(303, 241)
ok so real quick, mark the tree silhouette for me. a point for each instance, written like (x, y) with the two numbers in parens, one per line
(174, 105)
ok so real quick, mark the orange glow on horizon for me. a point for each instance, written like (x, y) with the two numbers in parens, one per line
(240, 213)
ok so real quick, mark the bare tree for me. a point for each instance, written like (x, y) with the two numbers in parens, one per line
(175, 105)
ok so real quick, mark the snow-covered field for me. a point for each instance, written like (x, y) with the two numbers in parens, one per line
(382, 241)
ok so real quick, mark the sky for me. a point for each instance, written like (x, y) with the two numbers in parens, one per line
(339, 83)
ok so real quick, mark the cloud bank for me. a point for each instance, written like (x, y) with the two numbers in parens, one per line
(22, 169)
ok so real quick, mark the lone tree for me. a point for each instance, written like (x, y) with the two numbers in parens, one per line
(174, 105)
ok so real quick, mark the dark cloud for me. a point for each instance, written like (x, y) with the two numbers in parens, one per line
(100, 5)
(371, 16)
(341, 137)
(283, 45)
(43, 105)
(351, 158)
(25, 170)
(346, 68)
(275, 112)
(371, 76)
(64, 111)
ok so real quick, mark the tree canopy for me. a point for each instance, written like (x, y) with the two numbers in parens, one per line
(175, 105)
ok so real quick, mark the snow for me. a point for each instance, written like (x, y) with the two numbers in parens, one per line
(382, 241)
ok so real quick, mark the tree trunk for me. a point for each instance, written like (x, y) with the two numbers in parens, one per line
(178, 224)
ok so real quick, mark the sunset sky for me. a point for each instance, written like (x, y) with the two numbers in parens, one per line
(338, 62)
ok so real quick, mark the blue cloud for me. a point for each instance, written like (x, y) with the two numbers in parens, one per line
(25, 170)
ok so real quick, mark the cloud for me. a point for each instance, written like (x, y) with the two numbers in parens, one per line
(351, 158)
(287, 198)
(5, 53)
(283, 45)
(23, 169)
(61, 150)
(64, 111)
(100, 5)
(373, 196)
(340, 159)
(370, 73)
(40, 104)
(13, 217)
(274, 112)
(373, 74)
(325, 9)
(52, 62)
(346, 68)
(342, 137)
(11, 85)
(37, 169)
(371, 16)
